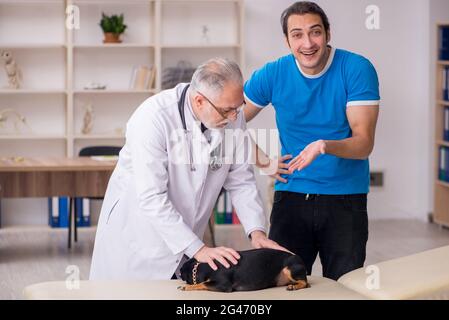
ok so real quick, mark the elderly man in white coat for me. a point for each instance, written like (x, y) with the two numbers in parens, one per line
(157, 207)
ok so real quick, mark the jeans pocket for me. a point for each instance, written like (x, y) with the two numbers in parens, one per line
(278, 195)
(359, 203)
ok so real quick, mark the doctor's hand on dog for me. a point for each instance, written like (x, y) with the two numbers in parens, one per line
(221, 254)
(259, 240)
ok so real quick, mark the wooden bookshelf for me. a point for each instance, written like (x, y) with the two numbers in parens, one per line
(441, 188)
(160, 33)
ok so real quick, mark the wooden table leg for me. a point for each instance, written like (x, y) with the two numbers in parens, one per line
(69, 243)
(74, 219)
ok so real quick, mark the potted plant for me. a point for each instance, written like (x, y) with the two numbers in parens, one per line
(113, 27)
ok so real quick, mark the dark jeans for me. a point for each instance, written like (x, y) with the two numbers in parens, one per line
(335, 226)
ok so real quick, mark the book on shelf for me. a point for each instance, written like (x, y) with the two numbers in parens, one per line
(446, 124)
(143, 78)
(444, 43)
(443, 167)
(445, 83)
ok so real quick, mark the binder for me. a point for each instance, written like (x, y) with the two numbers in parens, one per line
(444, 43)
(441, 167)
(63, 212)
(235, 218)
(446, 164)
(228, 213)
(53, 212)
(445, 83)
(220, 209)
(86, 213)
(58, 212)
(443, 171)
(82, 212)
(446, 124)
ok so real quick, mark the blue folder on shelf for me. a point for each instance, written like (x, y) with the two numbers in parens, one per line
(443, 172)
(445, 83)
(446, 124)
(444, 43)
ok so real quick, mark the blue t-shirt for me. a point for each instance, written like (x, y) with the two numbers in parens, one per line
(309, 108)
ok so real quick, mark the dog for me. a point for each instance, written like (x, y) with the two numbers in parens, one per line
(256, 269)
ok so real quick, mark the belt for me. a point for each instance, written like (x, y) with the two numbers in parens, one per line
(312, 196)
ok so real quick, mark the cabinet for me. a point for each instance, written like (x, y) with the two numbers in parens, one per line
(441, 185)
(57, 62)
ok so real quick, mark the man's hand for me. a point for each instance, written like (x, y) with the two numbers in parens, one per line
(260, 240)
(306, 157)
(207, 255)
(276, 167)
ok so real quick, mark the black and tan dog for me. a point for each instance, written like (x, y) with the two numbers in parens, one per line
(256, 269)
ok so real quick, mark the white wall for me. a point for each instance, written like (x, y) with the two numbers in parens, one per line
(400, 51)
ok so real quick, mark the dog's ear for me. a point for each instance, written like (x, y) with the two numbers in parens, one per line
(297, 267)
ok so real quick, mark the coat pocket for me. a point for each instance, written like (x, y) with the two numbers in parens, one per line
(112, 209)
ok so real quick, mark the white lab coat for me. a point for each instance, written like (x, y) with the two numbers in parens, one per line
(156, 210)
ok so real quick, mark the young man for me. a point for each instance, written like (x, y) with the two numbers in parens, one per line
(327, 103)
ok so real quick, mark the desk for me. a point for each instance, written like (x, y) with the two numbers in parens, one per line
(53, 177)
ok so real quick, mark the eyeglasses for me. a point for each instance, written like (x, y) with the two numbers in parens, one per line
(224, 113)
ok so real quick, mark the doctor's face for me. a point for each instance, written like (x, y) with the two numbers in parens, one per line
(217, 113)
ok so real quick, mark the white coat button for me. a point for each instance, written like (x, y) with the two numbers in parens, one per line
(177, 261)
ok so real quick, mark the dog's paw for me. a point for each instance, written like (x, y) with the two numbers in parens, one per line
(183, 288)
(291, 287)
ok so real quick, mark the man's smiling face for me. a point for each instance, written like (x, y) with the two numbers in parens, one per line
(307, 40)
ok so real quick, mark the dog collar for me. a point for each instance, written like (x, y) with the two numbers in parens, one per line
(194, 271)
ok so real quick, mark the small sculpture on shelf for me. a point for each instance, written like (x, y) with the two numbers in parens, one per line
(94, 86)
(205, 36)
(88, 120)
(12, 70)
(19, 119)
(182, 72)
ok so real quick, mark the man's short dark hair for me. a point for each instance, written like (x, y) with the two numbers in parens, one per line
(303, 7)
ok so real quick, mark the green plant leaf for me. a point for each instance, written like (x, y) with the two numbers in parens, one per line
(113, 23)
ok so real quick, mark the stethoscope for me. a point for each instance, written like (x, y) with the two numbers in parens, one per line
(215, 162)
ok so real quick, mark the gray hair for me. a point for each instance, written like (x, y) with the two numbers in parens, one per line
(211, 76)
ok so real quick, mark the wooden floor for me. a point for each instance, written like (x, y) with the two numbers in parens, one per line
(34, 254)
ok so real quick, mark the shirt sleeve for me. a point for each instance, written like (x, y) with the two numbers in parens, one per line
(258, 89)
(362, 83)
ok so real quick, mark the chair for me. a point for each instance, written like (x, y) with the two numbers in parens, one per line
(87, 152)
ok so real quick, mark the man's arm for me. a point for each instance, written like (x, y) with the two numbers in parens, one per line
(250, 110)
(271, 167)
(362, 120)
